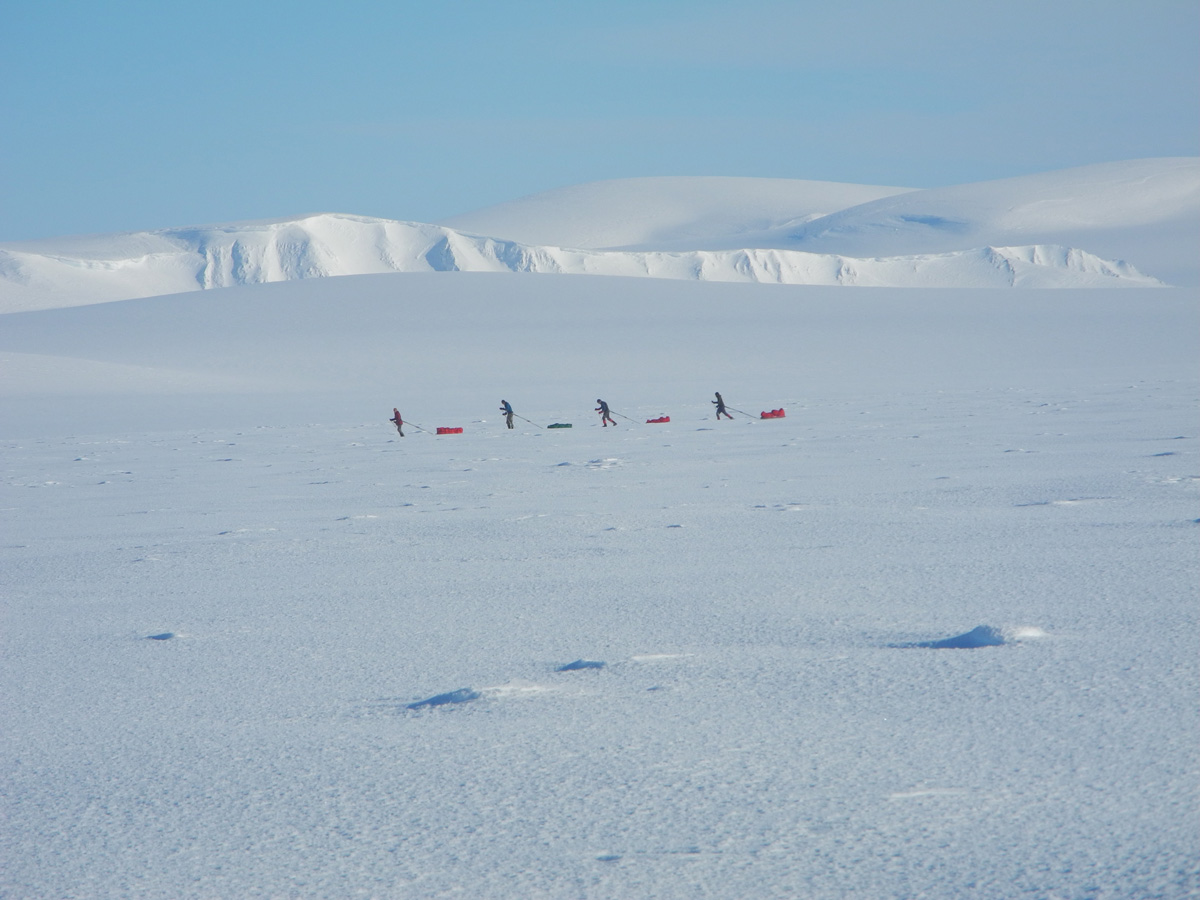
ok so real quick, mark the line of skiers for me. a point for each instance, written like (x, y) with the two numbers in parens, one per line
(606, 418)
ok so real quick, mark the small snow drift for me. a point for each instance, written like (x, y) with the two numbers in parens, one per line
(462, 695)
(980, 636)
(581, 664)
(983, 636)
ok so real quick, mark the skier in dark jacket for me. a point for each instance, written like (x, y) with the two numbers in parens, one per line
(605, 418)
(397, 421)
(506, 408)
(721, 411)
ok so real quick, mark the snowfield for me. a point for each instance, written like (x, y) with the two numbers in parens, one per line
(1127, 224)
(932, 634)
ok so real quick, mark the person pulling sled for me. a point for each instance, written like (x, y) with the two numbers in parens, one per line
(397, 421)
(605, 417)
(721, 410)
(506, 408)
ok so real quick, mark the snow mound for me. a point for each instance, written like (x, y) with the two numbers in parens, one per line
(462, 695)
(580, 664)
(985, 636)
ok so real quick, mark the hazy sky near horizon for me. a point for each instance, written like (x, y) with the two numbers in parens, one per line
(124, 116)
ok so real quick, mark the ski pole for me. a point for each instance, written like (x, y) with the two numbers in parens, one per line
(411, 425)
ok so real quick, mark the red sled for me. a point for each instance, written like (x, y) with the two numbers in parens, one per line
(442, 430)
(773, 414)
(658, 421)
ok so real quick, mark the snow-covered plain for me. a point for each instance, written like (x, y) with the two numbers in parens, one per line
(931, 635)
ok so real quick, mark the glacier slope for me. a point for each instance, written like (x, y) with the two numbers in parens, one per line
(1146, 212)
(664, 213)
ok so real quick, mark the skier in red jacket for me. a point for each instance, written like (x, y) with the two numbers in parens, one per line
(397, 421)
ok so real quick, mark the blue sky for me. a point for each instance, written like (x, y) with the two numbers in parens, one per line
(124, 116)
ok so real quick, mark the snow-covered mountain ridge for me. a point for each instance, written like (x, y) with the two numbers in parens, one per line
(741, 230)
(665, 213)
(328, 245)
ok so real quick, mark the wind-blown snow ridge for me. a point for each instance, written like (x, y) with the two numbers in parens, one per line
(79, 271)
(984, 636)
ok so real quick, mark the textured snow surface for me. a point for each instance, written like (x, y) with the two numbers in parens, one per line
(1130, 224)
(255, 643)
